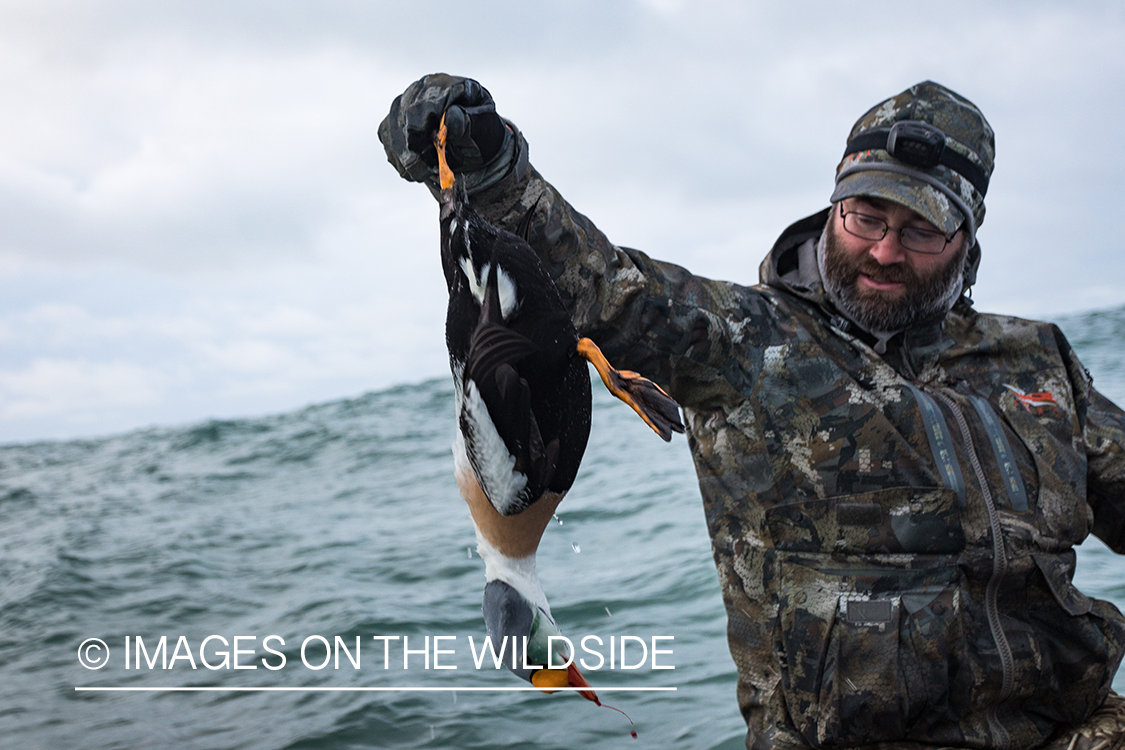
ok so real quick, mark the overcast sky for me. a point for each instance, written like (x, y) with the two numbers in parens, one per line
(197, 219)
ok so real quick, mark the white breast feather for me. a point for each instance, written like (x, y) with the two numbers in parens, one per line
(504, 284)
(474, 283)
(518, 572)
(507, 288)
(494, 465)
(458, 391)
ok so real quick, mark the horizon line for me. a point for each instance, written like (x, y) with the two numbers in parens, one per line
(475, 689)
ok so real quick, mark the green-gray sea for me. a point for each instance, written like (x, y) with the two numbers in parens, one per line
(343, 519)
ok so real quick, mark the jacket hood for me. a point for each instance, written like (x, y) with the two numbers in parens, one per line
(791, 263)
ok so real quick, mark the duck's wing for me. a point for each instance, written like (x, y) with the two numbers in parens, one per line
(494, 352)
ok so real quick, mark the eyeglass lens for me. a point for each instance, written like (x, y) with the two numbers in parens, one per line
(912, 238)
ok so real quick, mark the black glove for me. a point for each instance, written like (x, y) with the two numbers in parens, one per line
(475, 133)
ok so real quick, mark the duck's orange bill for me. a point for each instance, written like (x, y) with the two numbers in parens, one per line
(548, 680)
(445, 174)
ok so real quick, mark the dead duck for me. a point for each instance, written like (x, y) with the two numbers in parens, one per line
(523, 417)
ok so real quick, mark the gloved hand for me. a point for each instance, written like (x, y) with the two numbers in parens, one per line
(476, 136)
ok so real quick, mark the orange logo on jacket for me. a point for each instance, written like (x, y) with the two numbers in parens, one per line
(1040, 404)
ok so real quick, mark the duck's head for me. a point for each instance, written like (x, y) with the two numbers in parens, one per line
(509, 613)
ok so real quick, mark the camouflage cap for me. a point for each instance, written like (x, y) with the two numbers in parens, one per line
(943, 157)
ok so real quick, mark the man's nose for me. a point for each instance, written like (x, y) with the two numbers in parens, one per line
(888, 250)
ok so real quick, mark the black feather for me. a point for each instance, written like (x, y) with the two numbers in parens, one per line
(525, 368)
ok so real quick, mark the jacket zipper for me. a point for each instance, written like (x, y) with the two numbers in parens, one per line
(999, 570)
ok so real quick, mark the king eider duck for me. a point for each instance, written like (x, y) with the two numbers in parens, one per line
(523, 419)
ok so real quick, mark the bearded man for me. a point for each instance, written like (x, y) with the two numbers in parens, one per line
(893, 482)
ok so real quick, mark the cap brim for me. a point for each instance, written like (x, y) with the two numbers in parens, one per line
(929, 202)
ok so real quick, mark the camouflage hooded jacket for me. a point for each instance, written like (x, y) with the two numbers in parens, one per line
(893, 534)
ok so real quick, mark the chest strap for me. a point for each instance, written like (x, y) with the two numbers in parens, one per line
(941, 444)
(1002, 449)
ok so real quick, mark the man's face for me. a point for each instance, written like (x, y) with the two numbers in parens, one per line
(880, 284)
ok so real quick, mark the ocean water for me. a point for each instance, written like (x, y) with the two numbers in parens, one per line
(343, 520)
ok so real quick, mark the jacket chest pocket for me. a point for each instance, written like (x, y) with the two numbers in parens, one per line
(869, 654)
(1059, 494)
(891, 521)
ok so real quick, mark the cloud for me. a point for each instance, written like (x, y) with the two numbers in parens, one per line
(200, 164)
(192, 192)
(303, 334)
(50, 387)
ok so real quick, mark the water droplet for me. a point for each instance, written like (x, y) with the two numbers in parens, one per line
(470, 551)
(432, 735)
(556, 517)
(576, 548)
(608, 612)
(454, 696)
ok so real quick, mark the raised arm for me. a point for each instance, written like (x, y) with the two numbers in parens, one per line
(652, 317)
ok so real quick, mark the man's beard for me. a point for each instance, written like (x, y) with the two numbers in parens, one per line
(923, 298)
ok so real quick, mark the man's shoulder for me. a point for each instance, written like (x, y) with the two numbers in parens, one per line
(1017, 339)
(997, 325)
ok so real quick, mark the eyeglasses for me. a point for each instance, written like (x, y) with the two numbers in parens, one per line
(927, 241)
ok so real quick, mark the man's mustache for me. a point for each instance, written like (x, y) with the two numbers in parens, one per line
(896, 273)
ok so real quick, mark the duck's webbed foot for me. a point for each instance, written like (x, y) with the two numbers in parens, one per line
(659, 410)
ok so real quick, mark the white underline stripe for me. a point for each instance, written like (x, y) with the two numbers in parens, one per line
(373, 689)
